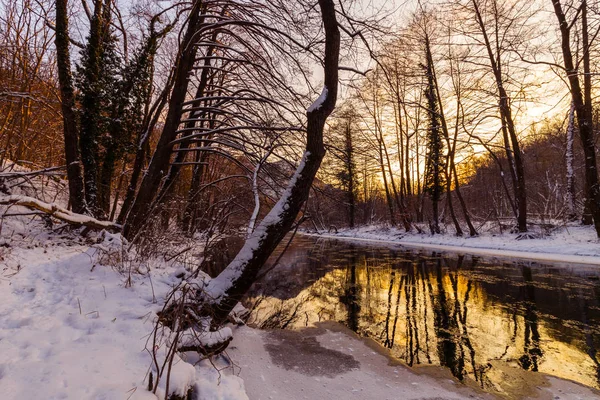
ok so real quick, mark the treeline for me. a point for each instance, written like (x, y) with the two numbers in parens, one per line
(447, 125)
(483, 188)
(164, 124)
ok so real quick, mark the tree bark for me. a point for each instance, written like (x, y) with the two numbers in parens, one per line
(351, 170)
(449, 170)
(569, 160)
(91, 107)
(70, 130)
(434, 169)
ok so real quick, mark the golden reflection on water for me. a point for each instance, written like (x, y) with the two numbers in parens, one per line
(454, 311)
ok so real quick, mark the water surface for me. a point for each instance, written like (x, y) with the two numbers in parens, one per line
(486, 320)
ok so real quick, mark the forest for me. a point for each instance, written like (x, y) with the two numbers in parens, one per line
(465, 112)
(173, 125)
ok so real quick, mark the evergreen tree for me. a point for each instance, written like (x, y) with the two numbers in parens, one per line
(97, 78)
(129, 98)
(435, 160)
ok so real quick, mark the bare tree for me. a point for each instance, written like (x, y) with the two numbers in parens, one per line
(218, 297)
(494, 35)
(582, 100)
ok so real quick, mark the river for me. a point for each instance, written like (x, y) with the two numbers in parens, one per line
(490, 322)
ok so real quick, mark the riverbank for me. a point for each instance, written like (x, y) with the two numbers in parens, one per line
(72, 328)
(567, 244)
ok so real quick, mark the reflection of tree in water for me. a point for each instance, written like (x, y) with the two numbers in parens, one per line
(461, 315)
(351, 295)
(532, 350)
(412, 327)
(445, 311)
(424, 291)
(450, 352)
(589, 337)
(389, 339)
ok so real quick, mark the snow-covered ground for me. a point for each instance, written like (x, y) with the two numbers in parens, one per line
(568, 244)
(71, 327)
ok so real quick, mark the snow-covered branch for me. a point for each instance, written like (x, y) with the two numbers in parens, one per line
(59, 212)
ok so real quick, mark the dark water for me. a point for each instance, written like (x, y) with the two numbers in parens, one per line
(486, 321)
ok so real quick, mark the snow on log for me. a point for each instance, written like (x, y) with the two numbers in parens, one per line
(206, 343)
(59, 213)
(216, 288)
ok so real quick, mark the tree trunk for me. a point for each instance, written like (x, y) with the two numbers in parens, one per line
(136, 172)
(106, 176)
(191, 121)
(351, 171)
(388, 196)
(91, 107)
(434, 167)
(140, 209)
(508, 127)
(227, 289)
(569, 160)
(71, 134)
(583, 112)
(449, 170)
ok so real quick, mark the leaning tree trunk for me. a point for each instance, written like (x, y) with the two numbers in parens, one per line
(138, 214)
(71, 135)
(227, 289)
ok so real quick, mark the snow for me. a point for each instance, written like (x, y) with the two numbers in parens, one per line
(271, 370)
(57, 211)
(71, 328)
(61, 336)
(217, 287)
(330, 362)
(569, 244)
(207, 339)
(318, 103)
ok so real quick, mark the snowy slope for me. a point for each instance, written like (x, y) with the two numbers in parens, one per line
(71, 329)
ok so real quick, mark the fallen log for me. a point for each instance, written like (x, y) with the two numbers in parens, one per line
(59, 213)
